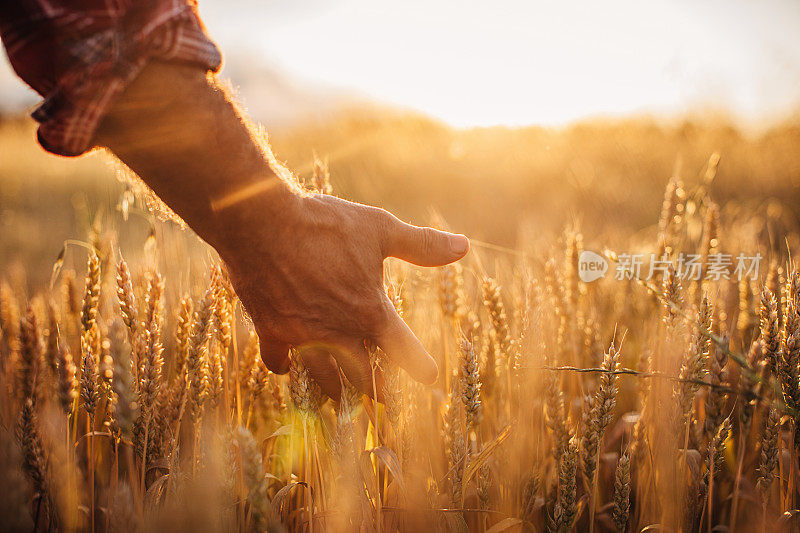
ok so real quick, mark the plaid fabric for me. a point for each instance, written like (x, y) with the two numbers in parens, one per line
(80, 55)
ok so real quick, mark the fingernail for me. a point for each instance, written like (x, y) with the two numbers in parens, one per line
(459, 244)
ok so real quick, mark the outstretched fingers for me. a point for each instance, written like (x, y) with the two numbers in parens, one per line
(421, 245)
(406, 351)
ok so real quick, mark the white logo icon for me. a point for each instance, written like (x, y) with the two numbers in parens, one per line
(591, 266)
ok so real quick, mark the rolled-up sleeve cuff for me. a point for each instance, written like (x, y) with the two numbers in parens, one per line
(109, 61)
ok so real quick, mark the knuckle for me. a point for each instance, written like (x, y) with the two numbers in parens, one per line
(383, 315)
(377, 225)
(382, 215)
(428, 238)
(373, 316)
(380, 319)
(384, 220)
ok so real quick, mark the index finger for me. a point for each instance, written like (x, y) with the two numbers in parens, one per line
(406, 351)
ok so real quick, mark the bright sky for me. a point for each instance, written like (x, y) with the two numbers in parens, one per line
(517, 62)
(479, 62)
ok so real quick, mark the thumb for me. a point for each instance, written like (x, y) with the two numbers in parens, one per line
(424, 246)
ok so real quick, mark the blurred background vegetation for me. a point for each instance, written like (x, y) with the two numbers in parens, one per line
(512, 187)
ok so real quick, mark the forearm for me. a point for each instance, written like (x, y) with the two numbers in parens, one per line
(180, 132)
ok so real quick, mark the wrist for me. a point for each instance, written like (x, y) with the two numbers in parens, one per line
(258, 210)
(180, 132)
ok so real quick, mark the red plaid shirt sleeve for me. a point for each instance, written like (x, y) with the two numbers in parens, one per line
(81, 54)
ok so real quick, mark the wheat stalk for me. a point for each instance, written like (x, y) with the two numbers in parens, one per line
(196, 359)
(565, 510)
(768, 457)
(770, 337)
(470, 385)
(305, 393)
(622, 492)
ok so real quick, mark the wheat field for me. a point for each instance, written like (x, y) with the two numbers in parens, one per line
(134, 397)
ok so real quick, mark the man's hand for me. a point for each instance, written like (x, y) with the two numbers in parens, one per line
(308, 269)
(314, 280)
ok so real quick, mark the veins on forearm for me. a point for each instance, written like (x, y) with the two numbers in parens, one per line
(180, 131)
